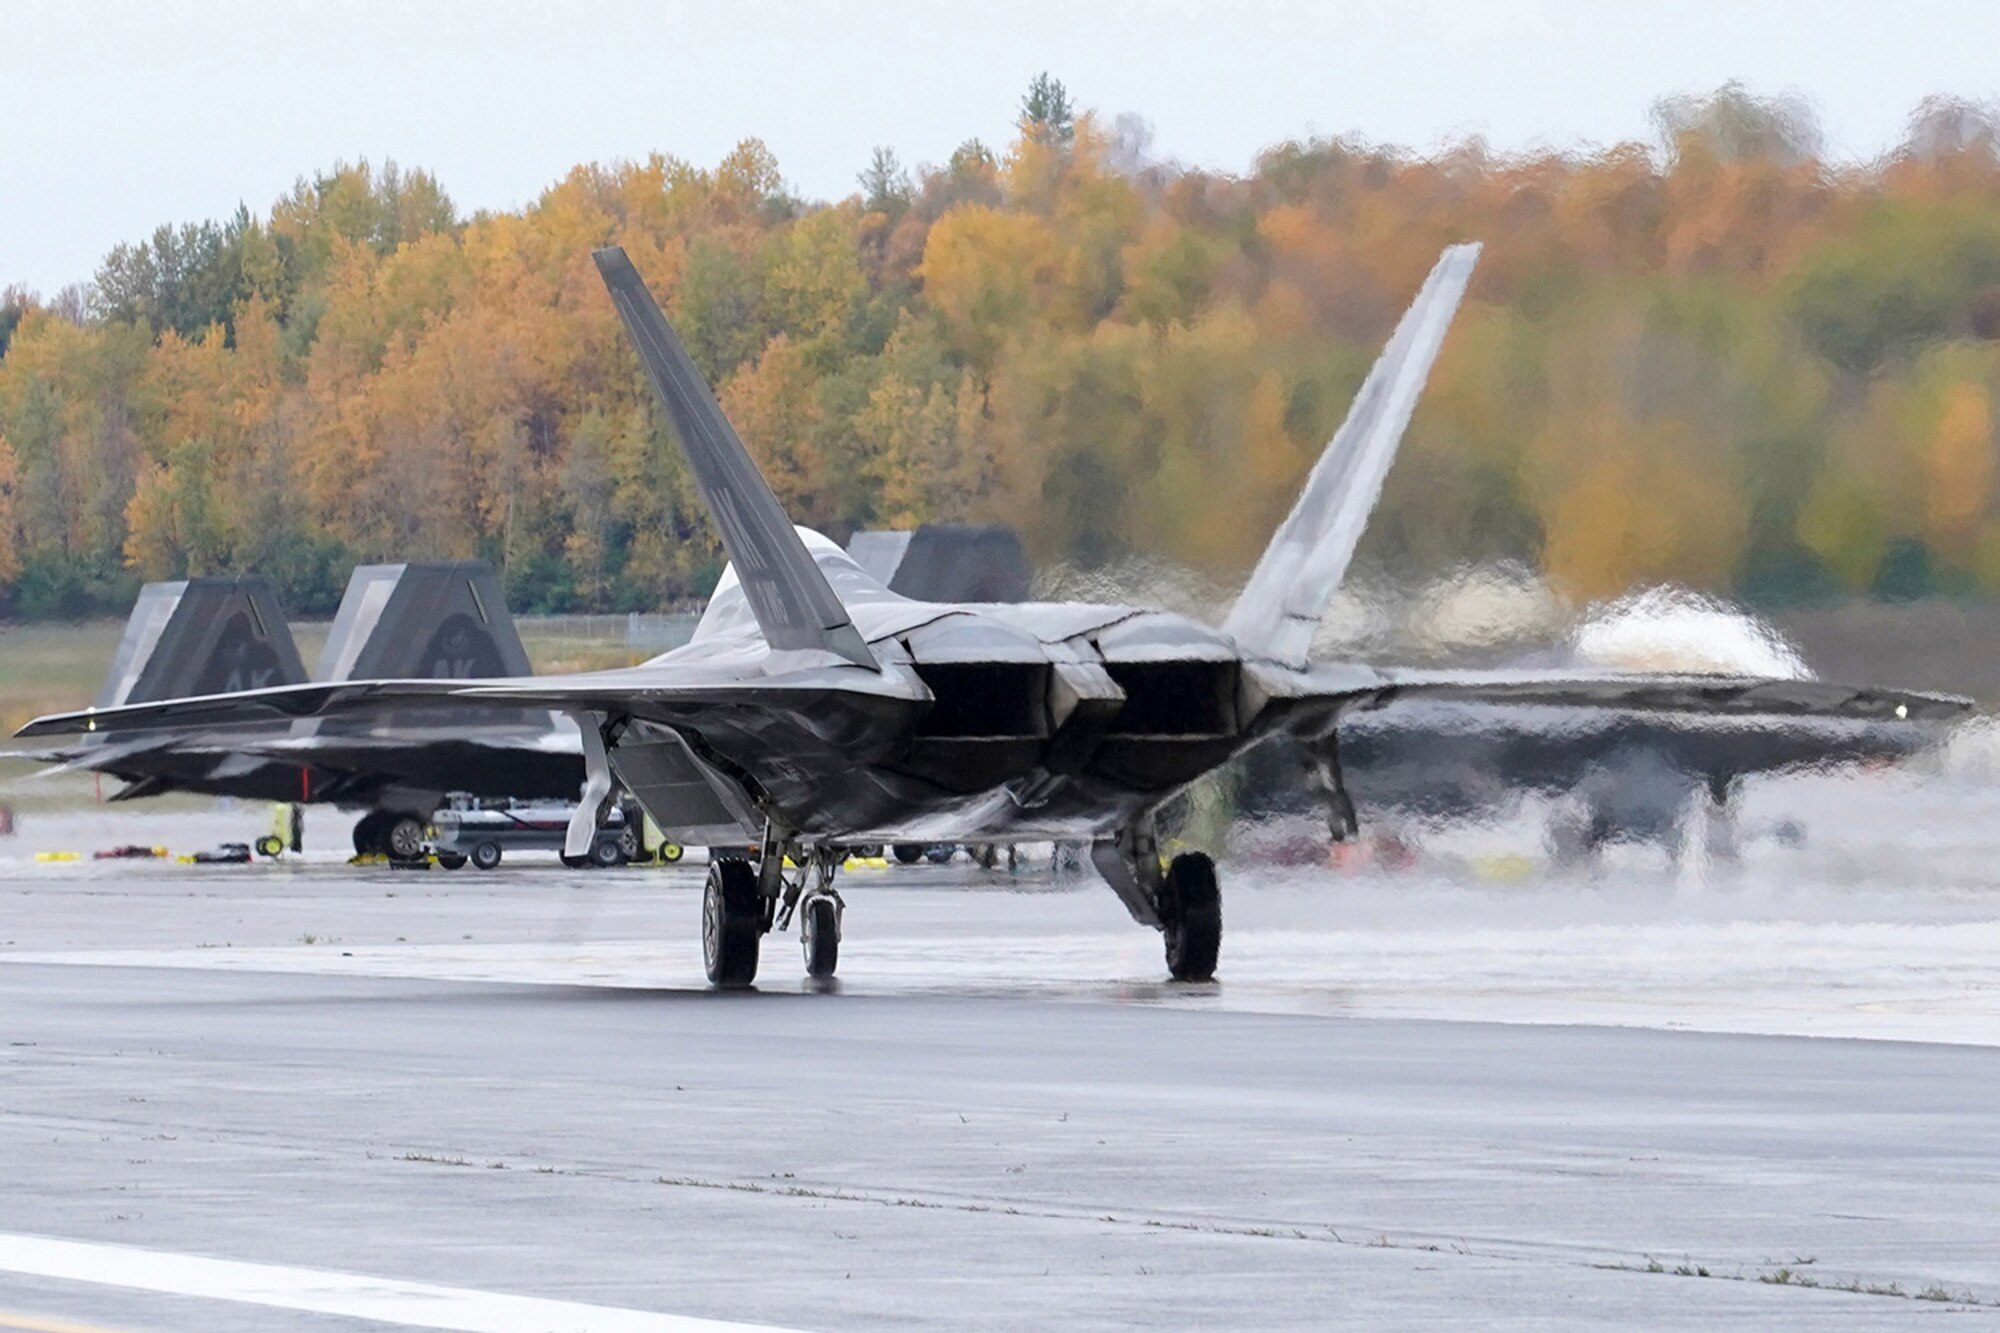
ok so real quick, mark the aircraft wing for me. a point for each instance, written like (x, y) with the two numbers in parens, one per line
(1311, 702)
(61, 759)
(683, 697)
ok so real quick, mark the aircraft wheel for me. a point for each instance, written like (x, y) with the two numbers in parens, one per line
(731, 923)
(451, 860)
(607, 853)
(486, 855)
(909, 853)
(1191, 917)
(368, 833)
(819, 935)
(404, 839)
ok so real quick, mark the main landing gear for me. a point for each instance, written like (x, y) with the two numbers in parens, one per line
(741, 903)
(1183, 901)
(400, 837)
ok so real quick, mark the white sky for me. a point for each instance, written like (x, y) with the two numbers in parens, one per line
(118, 115)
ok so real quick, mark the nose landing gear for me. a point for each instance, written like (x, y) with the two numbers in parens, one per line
(819, 934)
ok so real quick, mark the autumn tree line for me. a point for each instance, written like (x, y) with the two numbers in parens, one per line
(1718, 360)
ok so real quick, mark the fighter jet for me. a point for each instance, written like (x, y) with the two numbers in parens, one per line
(215, 635)
(814, 708)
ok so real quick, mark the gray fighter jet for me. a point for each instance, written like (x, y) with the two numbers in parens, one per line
(216, 635)
(814, 708)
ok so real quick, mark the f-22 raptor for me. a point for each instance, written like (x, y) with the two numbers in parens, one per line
(813, 708)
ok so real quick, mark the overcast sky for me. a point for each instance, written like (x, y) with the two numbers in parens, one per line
(119, 116)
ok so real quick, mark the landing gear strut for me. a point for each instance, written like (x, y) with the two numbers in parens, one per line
(1184, 902)
(1324, 775)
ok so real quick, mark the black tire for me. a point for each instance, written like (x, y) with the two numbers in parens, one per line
(607, 853)
(404, 838)
(485, 855)
(270, 845)
(909, 853)
(451, 860)
(671, 852)
(1191, 917)
(368, 834)
(941, 853)
(731, 923)
(819, 936)
(628, 843)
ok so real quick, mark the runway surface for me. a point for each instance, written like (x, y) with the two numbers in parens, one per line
(1467, 1092)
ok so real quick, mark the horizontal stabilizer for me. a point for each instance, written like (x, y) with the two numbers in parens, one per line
(796, 610)
(1280, 607)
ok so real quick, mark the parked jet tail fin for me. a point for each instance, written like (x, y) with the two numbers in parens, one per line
(795, 607)
(201, 636)
(946, 562)
(1279, 609)
(435, 620)
(438, 620)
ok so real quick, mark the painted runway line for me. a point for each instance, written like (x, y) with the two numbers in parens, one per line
(322, 1291)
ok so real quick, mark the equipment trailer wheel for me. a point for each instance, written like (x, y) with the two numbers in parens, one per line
(909, 853)
(731, 923)
(1191, 917)
(819, 935)
(451, 860)
(607, 853)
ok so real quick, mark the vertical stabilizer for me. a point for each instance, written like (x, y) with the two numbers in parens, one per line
(201, 636)
(796, 609)
(1279, 609)
(947, 562)
(442, 620)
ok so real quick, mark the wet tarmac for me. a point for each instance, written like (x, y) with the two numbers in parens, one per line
(1474, 1089)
